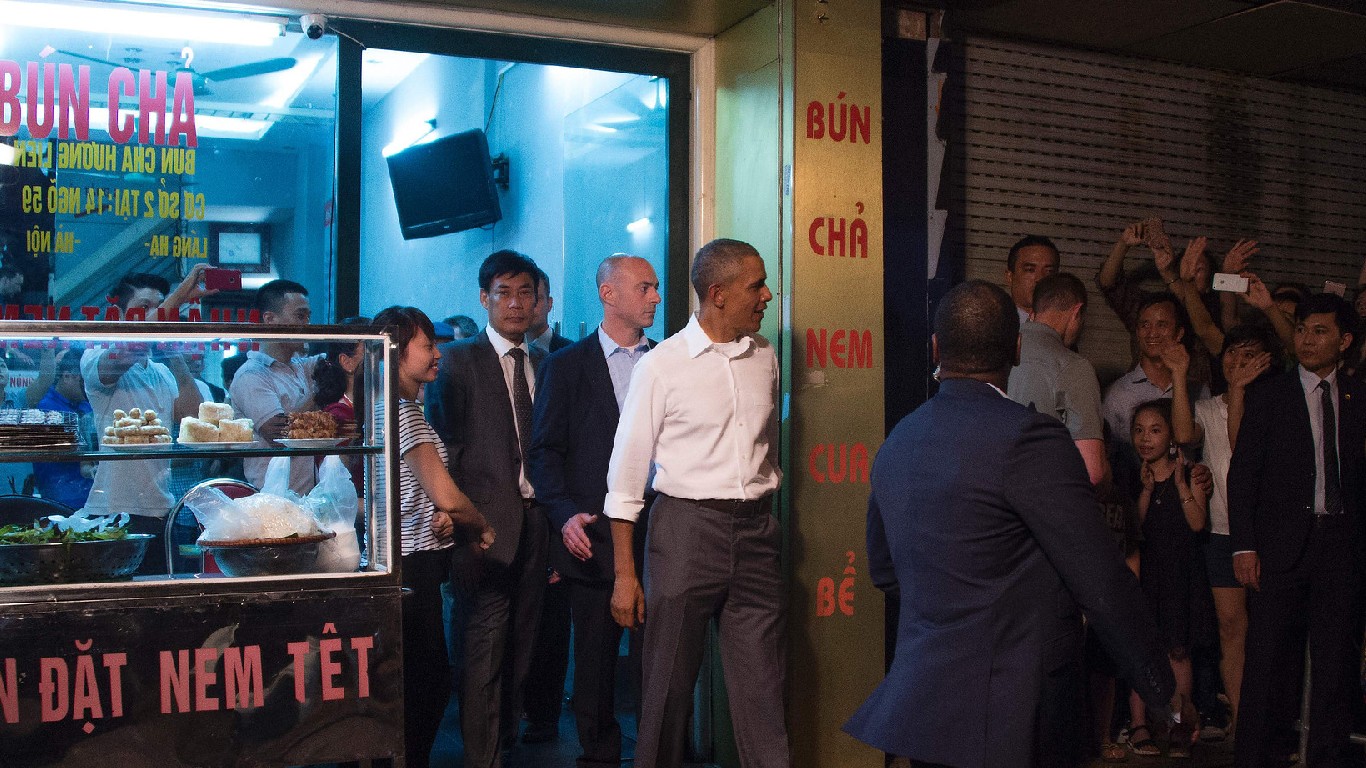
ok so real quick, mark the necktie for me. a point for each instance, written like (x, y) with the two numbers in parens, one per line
(521, 399)
(1332, 483)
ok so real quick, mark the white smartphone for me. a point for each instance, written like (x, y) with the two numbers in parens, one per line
(1224, 281)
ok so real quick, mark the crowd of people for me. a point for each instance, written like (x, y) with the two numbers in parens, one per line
(1227, 468)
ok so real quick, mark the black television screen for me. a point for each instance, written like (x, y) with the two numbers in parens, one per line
(444, 186)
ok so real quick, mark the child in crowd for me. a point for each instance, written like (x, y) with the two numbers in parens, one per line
(1213, 424)
(1172, 565)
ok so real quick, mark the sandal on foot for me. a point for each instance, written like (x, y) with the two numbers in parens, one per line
(1112, 752)
(1145, 745)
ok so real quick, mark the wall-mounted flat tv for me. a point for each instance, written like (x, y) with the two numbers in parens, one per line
(444, 186)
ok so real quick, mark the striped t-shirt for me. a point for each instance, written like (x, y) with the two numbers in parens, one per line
(415, 507)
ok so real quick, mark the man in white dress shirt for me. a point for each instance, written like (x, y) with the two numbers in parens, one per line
(700, 411)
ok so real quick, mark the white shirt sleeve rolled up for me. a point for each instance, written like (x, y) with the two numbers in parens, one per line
(703, 416)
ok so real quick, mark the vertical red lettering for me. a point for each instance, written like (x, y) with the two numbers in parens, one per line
(837, 349)
(300, 652)
(182, 111)
(86, 696)
(330, 667)
(11, 109)
(815, 121)
(811, 464)
(114, 663)
(815, 348)
(204, 676)
(175, 679)
(837, 475)
(53, 688)
(860, 349)
(242, 677)
(73, 101)
(42, 113)
(362, 646)
(836, 237)
(9, 692)
(858, 463)
(151, 103)
(860, 122)
(825, 596)
(858, 239)
(839, 126)
(812, 235)
(121, 83)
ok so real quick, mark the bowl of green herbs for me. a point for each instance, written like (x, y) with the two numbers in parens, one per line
(67, 549)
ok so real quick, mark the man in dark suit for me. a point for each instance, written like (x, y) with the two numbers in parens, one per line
(550, 660)
(580, 391)
(983, 524)
(1295, 507)
(539, 333)
(481, 406)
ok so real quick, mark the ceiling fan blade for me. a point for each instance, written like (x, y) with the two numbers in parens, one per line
(82, 57)
(253, 69)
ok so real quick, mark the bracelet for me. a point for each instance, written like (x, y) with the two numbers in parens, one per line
(1188, 498)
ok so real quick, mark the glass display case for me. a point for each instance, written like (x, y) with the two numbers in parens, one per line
(197, 560)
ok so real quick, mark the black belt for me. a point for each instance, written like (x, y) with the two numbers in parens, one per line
(738, 507)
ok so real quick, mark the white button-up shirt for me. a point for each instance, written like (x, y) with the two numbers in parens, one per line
(1313, 399)
(502, 346)
(703, 413)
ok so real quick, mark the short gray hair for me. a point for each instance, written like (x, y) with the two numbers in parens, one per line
(717, 263)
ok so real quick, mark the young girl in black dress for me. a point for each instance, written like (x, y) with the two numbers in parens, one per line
(1172, 566)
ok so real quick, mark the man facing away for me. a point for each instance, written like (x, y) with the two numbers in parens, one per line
(481, 406)
(580, 391)
(982, 523)
(1054, 379)
(1295, 486)
(277, 380)
(700, 409)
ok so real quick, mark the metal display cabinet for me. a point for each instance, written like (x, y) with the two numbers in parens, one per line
(194, 669)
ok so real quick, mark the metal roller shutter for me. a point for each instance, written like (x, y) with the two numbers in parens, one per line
(1076, 145)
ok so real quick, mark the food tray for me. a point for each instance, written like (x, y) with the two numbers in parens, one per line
(266, 557)
(71, 562)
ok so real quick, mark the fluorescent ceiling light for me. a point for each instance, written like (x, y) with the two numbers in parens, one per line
(8, 154)
(639, 226)
(125, 21)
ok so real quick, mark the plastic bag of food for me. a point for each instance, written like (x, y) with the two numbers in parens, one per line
(334, 504)
(260, 516)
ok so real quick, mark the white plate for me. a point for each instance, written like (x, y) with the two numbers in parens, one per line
(216, 446)
(135, 447)
(312, 442)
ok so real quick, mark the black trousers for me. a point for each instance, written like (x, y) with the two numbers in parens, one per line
(597, 638)
(550, 661)
(426, 668)
(1323, 595)
(494, 617)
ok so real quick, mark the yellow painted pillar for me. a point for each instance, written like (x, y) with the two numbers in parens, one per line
(836, 373)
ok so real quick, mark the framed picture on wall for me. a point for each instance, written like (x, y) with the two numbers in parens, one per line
(244, 247)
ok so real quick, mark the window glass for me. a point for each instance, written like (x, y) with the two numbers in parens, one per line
(579, 170)
(150, 140)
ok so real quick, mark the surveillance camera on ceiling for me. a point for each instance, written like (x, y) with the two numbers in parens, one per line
(313, 24)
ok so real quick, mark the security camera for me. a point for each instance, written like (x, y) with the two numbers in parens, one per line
(313, 24)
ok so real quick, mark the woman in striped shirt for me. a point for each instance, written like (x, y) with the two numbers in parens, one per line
(431, 509)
